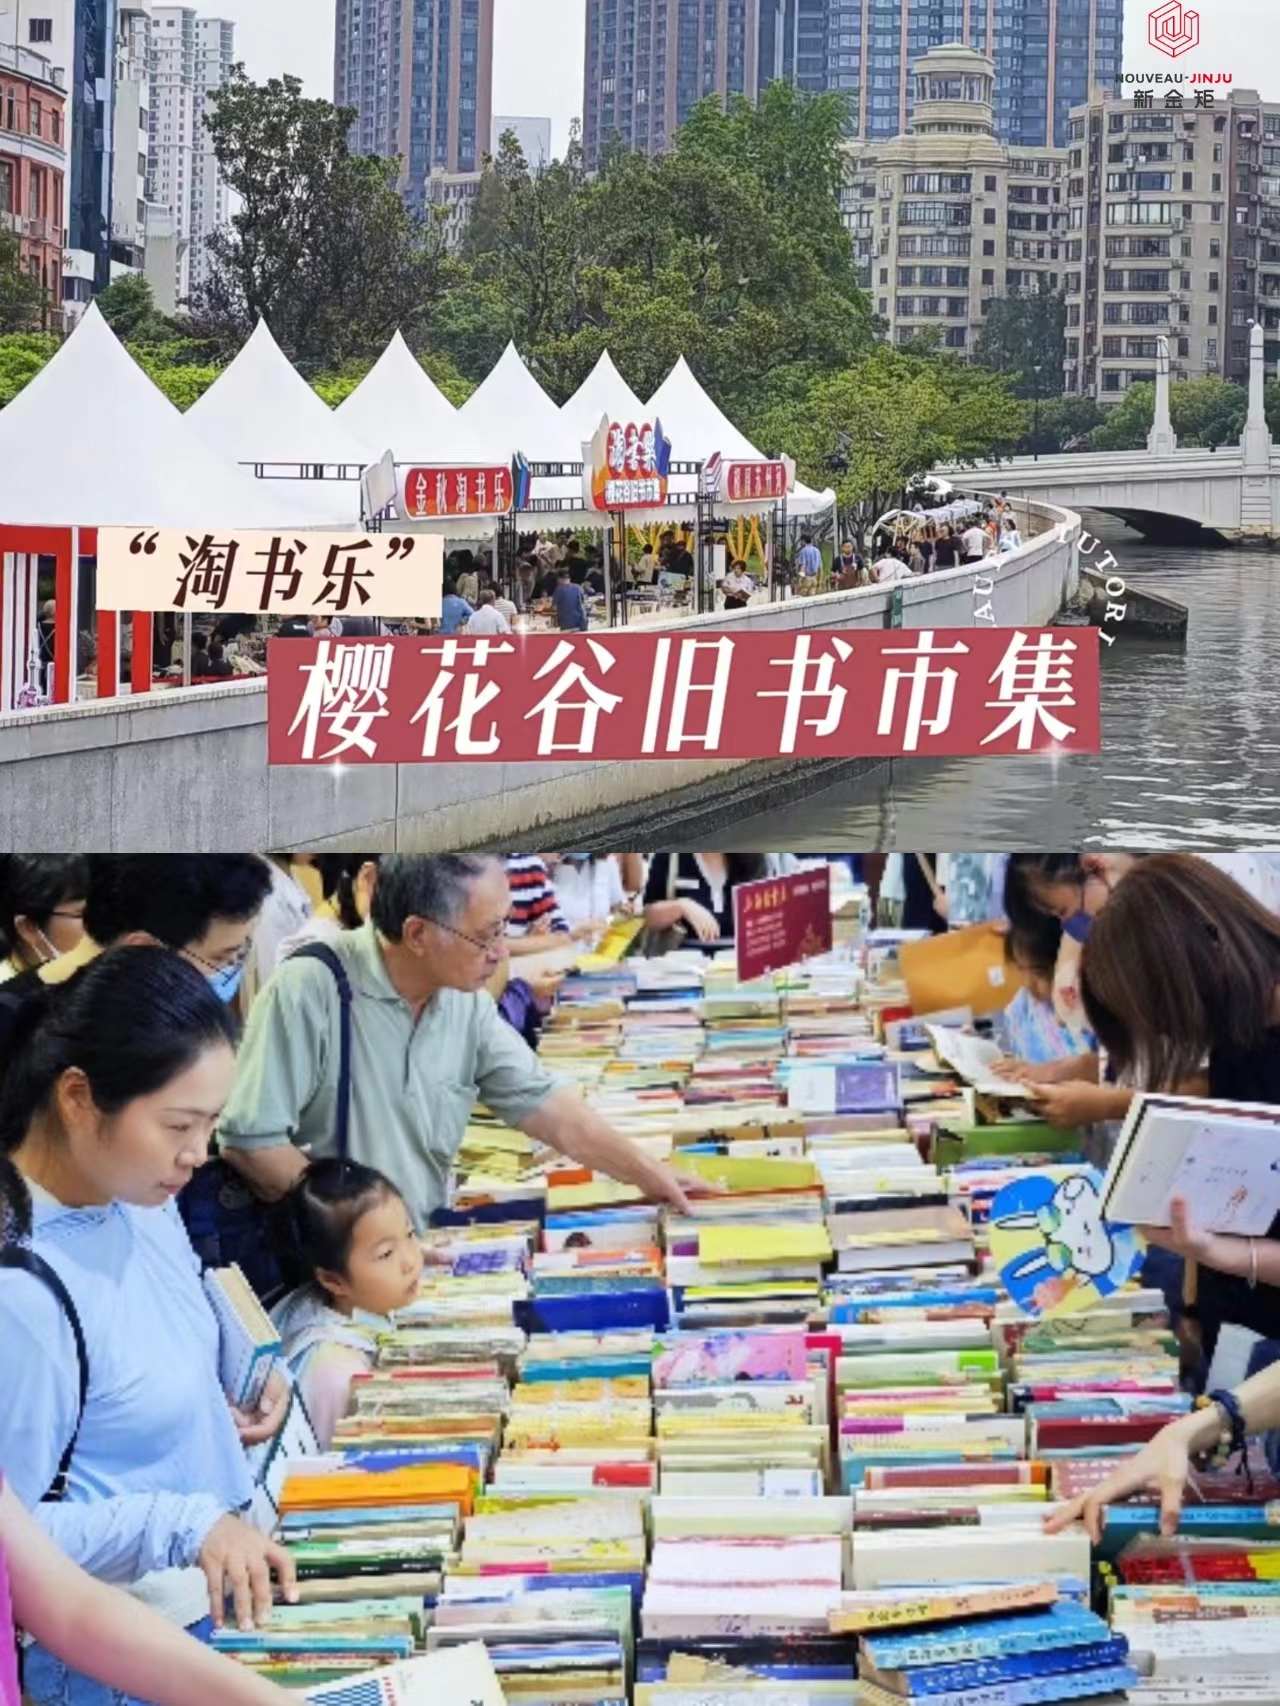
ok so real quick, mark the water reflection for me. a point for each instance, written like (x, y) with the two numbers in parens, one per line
(1191, 741)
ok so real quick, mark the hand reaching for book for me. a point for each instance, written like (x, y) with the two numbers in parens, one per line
(1163, 1464)
(238, 1564)
(703, 923)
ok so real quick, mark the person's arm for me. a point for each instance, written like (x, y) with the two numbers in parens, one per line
(1075, 1069)
(105, 1634)
(663, 913)
(633, 871)
(1254, 1259)
(1165, 1461)
(1075, 1104)
(280, 1069)
(566, 1124)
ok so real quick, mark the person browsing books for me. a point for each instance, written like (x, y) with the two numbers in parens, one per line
(41, 909)
(107, 1107)
(426, 1044)
(346, 1239)
(692, 893)
(1181, 979)
(117, 1646)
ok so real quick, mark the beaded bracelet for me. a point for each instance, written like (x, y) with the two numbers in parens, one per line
(1234, 1438)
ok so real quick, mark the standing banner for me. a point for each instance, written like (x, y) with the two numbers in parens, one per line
(781, 920)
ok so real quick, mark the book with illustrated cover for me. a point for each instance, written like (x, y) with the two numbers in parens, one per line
(891, 1608)
(931, 1680)
(1062, 1624)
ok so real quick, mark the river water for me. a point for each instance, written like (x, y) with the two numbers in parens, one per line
(1191, 740)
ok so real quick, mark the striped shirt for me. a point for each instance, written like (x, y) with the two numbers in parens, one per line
(533, 895)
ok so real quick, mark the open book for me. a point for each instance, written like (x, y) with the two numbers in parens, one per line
(1222, 1157)
(973, 1058)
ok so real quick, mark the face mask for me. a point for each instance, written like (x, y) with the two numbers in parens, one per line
(1077, 926)
(226, 981)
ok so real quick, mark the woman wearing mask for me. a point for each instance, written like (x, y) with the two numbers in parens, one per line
(42, 900)
(111, 1091)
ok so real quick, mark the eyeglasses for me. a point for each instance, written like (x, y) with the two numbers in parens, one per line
(486, 943)
(239, 958)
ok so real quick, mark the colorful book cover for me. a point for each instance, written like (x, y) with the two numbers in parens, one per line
(1064, 1624)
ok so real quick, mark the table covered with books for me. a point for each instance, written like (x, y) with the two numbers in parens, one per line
(790, 1449)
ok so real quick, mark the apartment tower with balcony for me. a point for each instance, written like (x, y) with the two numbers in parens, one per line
(33, 168)
(945, 218)
(419, 74)
(1174, 229)
(649, 62)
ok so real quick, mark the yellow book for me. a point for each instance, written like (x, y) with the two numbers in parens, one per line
(742, 1174)
(762, 1245)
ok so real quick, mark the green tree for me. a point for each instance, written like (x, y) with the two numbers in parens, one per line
(128, 305)
(1207, 412)
(21, 295)
(335, 388)
(321, 245)
(1024, 335)
(181, 381)
(1066, 423)
(22, 355)
(890, 417)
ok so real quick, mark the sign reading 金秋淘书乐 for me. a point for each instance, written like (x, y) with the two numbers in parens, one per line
(278, 574)
(430, 492)
(626, 467)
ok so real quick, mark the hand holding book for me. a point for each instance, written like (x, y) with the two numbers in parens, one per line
(255, 1427)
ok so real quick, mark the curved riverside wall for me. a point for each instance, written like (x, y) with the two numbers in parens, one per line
(187, 770)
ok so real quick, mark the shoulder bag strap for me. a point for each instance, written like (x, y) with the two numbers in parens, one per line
(19, 1256)
(324, 953)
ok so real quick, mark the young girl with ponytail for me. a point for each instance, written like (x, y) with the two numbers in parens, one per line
(345, 1238)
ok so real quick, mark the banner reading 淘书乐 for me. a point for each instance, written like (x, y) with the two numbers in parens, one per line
(816, 694)
(278, 574)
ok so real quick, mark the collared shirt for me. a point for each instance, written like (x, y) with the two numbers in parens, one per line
(809, 560)
(488, 619)
(414, 1083)
(453, 613)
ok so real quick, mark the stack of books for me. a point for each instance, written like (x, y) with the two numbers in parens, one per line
(1201, 1643)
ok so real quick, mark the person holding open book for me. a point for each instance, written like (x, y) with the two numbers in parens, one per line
(114, 1426)
(1181, 981)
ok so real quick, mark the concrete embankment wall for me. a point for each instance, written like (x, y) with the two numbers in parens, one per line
(187, 770)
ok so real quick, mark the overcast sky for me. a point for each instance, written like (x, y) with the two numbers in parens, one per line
(539, 47)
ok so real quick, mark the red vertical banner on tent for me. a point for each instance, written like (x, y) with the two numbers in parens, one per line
(64, 617)
(781, 921)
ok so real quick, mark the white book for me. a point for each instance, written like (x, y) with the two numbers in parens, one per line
(746, 1561)
(903, 1557)
(711, 1515)
(460, 1673)
(1222, 1156)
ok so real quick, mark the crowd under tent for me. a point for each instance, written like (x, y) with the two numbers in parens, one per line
(91, 442)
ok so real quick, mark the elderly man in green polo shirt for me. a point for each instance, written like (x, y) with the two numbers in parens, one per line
(427, 1044)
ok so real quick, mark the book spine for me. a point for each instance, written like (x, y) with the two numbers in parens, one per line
(1019, 1667)
(1041, 1691)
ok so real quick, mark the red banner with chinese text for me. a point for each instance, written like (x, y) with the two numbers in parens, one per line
(622, 696)
(430, 492)
(781, 921)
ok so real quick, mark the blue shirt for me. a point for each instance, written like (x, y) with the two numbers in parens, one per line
(158, 1460)
(571, 606)
(453, 613)
(809, 562)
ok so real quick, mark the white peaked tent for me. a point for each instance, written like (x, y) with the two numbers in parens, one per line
(397, 404)
(511, 412)
(91, 442)
(603, 392)
(698, 429)
(261, 409)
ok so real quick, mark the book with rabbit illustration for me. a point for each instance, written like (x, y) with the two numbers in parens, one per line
(1055, 1250)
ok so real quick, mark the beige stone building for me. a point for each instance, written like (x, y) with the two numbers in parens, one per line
(946, 218)
(1173, 228)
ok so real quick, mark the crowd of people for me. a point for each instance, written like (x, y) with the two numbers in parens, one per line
(207, 1058)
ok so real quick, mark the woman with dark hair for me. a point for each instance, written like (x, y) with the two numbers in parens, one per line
(692, 893)
(1181, 977)
(42, 898)
(109, 1097)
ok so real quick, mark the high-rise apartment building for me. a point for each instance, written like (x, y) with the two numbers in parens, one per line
(191, 57)
(945, 218)
(419, 74)
(649, 62)
(1048, 54)
(131, 168)
(533, 135)
(78, 38)
(33, 168)
(1174, 230)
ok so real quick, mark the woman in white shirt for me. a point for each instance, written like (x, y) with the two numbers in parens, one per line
(589, 889)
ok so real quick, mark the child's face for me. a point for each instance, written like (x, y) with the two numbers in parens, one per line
(385, 1264)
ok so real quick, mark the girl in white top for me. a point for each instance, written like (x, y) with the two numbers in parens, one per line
(346, 1237)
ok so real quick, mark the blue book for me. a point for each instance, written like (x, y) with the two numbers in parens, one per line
(982, 1673)
(593, 1312)
(1060, 1625)
(1033, 1691)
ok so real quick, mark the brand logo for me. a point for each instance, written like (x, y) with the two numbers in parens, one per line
(1173, 28)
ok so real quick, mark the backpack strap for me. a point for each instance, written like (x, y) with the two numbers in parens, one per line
(324, 953)
(19, 1256)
